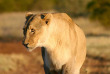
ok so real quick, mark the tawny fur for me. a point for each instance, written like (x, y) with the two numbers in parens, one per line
(63, 42)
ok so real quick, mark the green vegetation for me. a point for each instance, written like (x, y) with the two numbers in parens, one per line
(100, 10)
(14, 5)
(42, 5)
(72, 7)
(25, 5)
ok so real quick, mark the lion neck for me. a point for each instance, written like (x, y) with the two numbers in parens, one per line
(59, 35)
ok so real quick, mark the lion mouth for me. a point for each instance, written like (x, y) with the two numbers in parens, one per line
(30, 48)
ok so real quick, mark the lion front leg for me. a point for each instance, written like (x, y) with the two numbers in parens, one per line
(71, 68)
(47, 71)
(71, 71)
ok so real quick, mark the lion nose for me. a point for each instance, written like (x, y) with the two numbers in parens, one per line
(26, 45)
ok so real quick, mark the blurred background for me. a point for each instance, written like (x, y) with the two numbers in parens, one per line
(93, 16)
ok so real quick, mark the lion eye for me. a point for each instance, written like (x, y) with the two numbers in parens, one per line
(32, 30)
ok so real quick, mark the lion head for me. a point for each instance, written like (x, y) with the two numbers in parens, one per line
(35, 29)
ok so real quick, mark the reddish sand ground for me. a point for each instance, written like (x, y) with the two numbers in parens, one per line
(91, 65)
(17, 48)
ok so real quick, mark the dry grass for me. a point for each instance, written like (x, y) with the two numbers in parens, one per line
(11, 62)
(99, 46)
(11, 24)
(91, 27)
(19, 63)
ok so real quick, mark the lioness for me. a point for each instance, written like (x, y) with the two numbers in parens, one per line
(62, 42)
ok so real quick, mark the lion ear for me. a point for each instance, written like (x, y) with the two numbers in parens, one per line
(46, 18)
(28, 15)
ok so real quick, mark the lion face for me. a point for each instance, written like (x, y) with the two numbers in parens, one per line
(34, 30)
